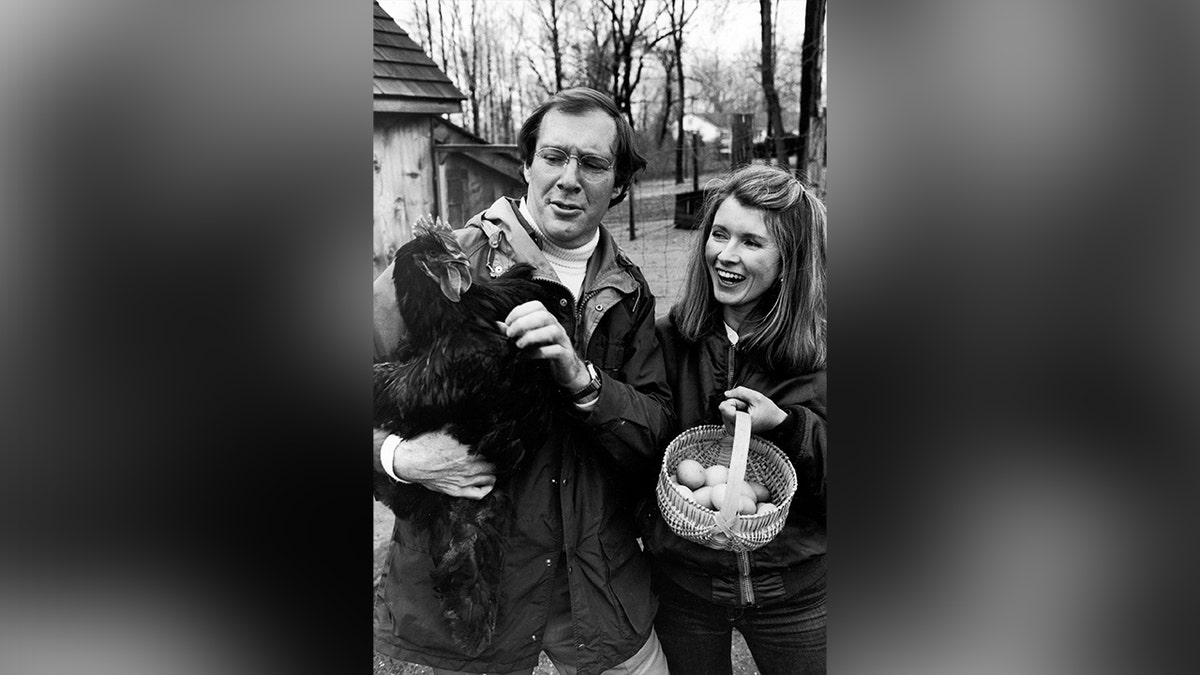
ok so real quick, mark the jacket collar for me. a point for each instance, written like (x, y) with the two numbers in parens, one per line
(608, 267)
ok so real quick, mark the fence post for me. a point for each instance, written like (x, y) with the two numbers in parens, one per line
(695, 162)
(632, 227)
(740, 148)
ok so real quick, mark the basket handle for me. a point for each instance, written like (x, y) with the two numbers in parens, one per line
(737, 468)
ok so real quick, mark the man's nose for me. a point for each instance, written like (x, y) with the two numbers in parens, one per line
(568, 177)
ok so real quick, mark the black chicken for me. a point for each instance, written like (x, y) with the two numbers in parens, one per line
(454, 369)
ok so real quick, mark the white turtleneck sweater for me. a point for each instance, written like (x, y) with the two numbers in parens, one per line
(570, 264)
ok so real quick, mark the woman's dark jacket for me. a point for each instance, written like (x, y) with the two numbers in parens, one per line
(576, 498)
(699, 374)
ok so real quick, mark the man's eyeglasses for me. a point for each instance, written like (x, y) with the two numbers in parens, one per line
(590, 165)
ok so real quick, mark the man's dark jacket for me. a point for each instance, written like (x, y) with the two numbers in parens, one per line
(574, 499)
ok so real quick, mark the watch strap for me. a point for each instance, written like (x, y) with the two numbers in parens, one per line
(593, 385)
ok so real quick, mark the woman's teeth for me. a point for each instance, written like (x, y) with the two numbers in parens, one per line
(729, 277)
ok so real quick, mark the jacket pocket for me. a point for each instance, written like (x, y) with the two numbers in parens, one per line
(608, 353)
(628, 578)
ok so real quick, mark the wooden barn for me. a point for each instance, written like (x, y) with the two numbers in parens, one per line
(423, 163)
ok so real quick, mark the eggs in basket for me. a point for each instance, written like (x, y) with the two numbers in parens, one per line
(707, 487)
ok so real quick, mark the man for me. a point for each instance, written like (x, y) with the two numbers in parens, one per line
(575, 583)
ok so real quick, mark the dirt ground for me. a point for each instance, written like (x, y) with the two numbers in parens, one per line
(661, 251)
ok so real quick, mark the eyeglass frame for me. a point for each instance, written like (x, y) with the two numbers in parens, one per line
(579, 159)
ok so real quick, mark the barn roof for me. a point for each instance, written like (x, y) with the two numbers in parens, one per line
(406, 80)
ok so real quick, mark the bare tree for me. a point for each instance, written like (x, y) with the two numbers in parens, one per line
(724, 86)
(678, 17)
(810, 81)
(667, 57)
(550, 25)
(634, 35)
(774, 115)
(442, 35)
(550, 42)
(468, 67)
(428, 21)
(592, 55)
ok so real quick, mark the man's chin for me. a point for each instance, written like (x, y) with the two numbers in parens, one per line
(565, 233)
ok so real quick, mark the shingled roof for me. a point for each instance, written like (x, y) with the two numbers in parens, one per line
(406, 80)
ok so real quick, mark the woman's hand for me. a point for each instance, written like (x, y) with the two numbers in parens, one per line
(764, 414)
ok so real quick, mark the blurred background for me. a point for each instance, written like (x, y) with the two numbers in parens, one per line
(1013, 251)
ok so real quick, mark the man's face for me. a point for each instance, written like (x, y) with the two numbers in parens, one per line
(569, 201)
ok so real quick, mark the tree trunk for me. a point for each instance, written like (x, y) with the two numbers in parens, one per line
(556, 46)
(668, 98)
(677, 25)
(774, 115)
(429, 30)
(442, 35)
(810, 74)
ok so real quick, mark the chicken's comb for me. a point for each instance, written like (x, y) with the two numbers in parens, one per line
(428, 224)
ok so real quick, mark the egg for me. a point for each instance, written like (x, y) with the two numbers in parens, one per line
(764, 508)
(716, 475)
(761, 493)
(718, 496)
(703, 497)
(746, 505)
(748, 491)
(683, 490)
(690, 473)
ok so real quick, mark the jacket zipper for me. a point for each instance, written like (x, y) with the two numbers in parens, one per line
(554, 282)
(745, 587)
(579, 307)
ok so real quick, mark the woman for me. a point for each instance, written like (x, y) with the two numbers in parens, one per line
(749, 334)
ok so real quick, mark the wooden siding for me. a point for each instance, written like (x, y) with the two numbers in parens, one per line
(404, 172)
(469, 186)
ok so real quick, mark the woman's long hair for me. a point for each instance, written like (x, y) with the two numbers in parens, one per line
(790, 334)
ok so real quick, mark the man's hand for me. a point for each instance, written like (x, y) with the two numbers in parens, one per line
(764, 414)
(440, 463)
(536, 331)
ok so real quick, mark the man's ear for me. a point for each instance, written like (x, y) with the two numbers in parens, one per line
(615, 191)
(525, 173)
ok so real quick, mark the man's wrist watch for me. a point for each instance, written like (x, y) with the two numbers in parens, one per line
(592, 387)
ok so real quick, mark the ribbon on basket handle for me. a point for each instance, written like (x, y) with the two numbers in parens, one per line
(737, 470)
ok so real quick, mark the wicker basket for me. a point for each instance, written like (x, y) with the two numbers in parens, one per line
(749, 458)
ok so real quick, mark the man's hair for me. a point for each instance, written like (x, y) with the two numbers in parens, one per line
(577, 101)
(790, 334)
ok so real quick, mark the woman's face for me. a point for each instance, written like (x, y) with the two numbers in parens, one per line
(742, 257)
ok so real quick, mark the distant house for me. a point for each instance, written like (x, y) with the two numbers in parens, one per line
(423, 163)
(708, 126)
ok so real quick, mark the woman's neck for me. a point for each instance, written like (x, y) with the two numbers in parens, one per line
(735, 316)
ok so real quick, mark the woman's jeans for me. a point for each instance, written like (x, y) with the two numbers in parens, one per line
(786, 637)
